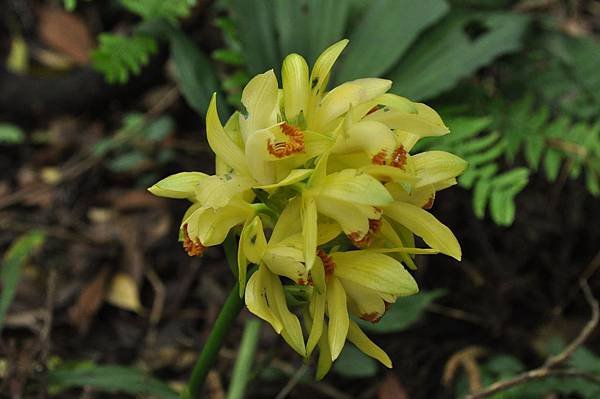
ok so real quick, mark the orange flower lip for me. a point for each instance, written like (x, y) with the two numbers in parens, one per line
(328, 263)
(365, 241)
(294, 145)
(192, 247)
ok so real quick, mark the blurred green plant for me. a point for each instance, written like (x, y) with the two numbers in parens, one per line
(502, 367)
(116, 379)
(12, 263)
(11, 134)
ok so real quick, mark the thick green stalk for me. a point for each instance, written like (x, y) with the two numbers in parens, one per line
(229, 312)
(226, 318)
(243, 364)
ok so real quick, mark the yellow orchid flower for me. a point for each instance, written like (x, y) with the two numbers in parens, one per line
(329, 175)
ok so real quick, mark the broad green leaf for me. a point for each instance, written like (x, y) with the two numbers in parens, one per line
(13, 261)
(255, 23)
(352, 363)
(326, 24)
(109, 379)
(404, 313)
(384, 33)
(195, 75)
(447, 54)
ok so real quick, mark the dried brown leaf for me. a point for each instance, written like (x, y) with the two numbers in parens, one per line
(66, 33)
(88, 303)
(391, 388)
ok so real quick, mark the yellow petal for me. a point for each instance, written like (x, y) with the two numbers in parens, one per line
(309, 231)
(350, 94)
(220, 142)
(374, 270)
(295, 176)
(386, 172)
(390, 234)
(258, 158)
(260, 100)
(436, 166)
(362, 342)
(352, 186)
(291, 332)
(256, 299)
(324, 362)
(426, 122)
(369, 304)
(338, 316)
(251, 247)
(353, 218)
(286, 261)
(397, 103)
(287, 224)
(217, 191)
(426, 226)
(211, 226)
(320, 72)
(179, 185)
(369, 136)
(317, 309)
(294, 72)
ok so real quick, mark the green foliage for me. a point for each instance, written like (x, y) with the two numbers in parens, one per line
(70, 5)
(195, 75)
(391, 39)
(11, 134)
(119, 56)
(403, 313)
(353, 363)
(502, 367)
(159, 9)
(484, 152)
(454, 49)
(109, 379)
(550, 144)
(13, 261)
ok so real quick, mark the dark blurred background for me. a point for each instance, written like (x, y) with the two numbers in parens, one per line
(100, 99)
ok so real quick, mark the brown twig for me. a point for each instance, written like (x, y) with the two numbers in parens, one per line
(549, 368)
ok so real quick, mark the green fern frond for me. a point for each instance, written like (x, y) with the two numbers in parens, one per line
(119, 56)
(160, 9)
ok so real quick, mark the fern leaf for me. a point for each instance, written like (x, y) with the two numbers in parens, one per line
(170, 10)
(117, 57)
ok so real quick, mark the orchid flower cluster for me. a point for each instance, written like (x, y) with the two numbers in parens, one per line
(326, 199)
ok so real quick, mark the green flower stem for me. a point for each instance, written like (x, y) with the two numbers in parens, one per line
(229, 312)
(243, 364)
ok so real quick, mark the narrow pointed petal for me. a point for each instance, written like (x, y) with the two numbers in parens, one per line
(338, 317)
(317, 306)
(251, 248)
(362, 342)
(291, 332)
(211, 226)
(220, 142)
(426, 226)
(324, 362)
(397, 103)
(256, 299)
(287, 225)
(258, 158)
(353, 218)
(260, 100)
(374, 270)
(436, 166)
(322, 68)
(388, 231)
(309, 231)
(179, 185)
(295, 176)
(296, 90)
